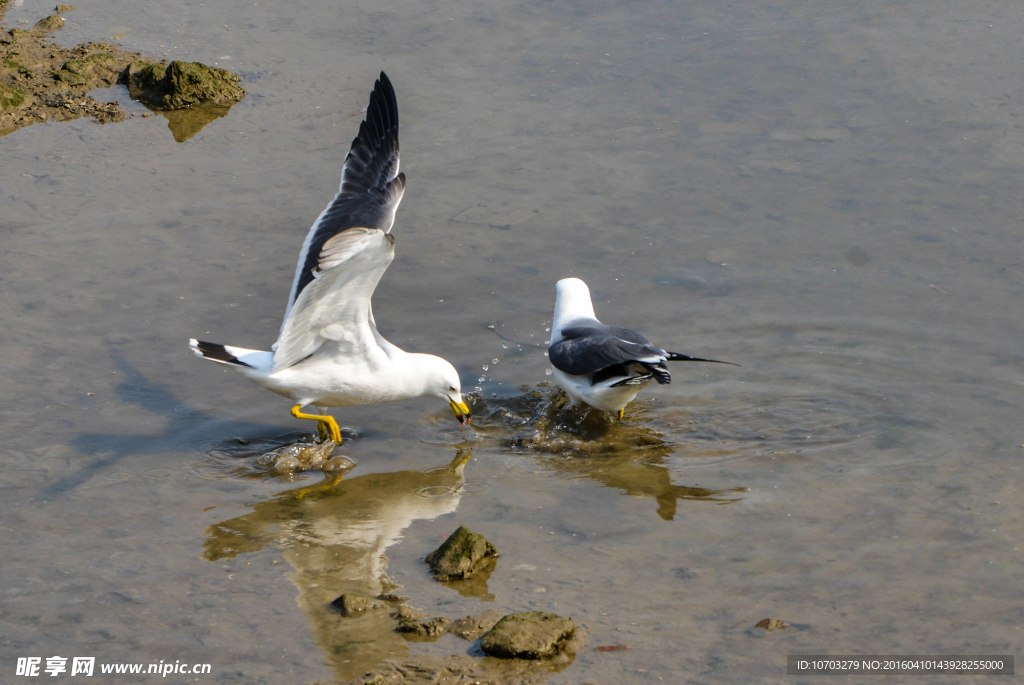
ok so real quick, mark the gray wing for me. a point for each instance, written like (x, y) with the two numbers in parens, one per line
(371, 187)
(608, 354)
(588, 349)
(629, 335)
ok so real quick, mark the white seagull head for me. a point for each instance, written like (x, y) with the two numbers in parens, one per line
(572, 301)
(442, 381)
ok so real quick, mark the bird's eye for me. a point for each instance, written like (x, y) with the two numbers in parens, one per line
(451, 388)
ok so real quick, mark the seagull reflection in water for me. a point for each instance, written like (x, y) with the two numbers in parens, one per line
(335, 535)
(581, 442)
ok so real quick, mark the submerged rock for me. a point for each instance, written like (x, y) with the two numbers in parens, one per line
(530, 635)
(476, 584)
(391, 597)
(771, 624)
(353, 604)
(181, 84)
(432, 628)
(414, 625)
(304, 456)
(472, 627)
(460, 556)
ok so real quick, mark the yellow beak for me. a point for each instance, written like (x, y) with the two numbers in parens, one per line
(461, 411)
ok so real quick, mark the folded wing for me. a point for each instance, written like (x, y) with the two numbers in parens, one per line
(587, 350)
(612, 355)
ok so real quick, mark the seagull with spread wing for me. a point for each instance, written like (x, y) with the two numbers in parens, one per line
(603, 366)
(329, 352)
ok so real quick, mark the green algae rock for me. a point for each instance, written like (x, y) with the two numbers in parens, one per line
(50, 23)
(181, 84)
(99, 65)
(141, 76)
(530, 635)
(10, 97)
(461, 554)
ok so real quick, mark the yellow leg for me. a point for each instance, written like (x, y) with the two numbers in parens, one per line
(461, 458)
(622, 412)
(330, 481)
(323, 422)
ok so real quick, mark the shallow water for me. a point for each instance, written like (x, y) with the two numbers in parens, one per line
(828, 195)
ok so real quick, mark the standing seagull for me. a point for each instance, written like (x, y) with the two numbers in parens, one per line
(329, 353)
(603, 366)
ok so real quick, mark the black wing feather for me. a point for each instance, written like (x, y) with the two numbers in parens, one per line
(369, 185)
(372, 159)
(676, 357)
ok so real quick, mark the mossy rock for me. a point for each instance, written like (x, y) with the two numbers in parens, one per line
(71, 78)
(11, 97)
(142, 75)
(355, 604)
(50, 23)
(20, 67)
(461, 554)
(529, 635)
(181, 84)
(98, 66)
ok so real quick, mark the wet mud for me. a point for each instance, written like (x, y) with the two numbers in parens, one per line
(43, 82)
